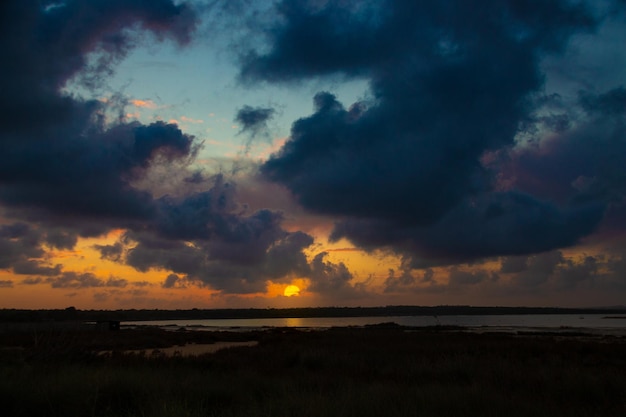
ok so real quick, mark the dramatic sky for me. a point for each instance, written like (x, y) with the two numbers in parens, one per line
(183, 154)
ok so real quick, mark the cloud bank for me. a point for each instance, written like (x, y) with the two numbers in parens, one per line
(451, 85)
(482, 138)
(70, 166)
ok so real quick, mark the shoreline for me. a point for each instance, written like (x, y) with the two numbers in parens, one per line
(71, 313)
(595, 326)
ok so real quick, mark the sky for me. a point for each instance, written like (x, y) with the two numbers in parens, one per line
(228, 154)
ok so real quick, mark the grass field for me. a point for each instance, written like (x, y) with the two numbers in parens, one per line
(379, 371)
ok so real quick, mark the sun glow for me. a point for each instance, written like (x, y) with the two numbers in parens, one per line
(291, 290)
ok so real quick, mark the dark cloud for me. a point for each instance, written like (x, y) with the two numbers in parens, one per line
(72, 279)
(209, 238)
(173, 281)
(46, 46)
(582, 162)
(111, 252)
(239, 258)
(58, 175)
(350, 38)
(450, 82)
(61, 239)
(548, 274)
(611, 103)
(575, 273)
(328, 278)
(201, 215)
(617, 272)
(16, 231)
(75, 280)
(59, 154)
(254, 120)
(316, 40)
(539, 269)
(62, 165)
(488, 225)
(101, 297)
(141, 284)
(460, 277)
(396, 283)
(581, 165)
(195, 178)
(452, 280)
(116, 282)
(513, 264)
(74, 167)
(18, 243)
(163, 254)
(286, 258)
(556, 272)
(32, 281)
(31, 267)
(238, 265)
(6, 283)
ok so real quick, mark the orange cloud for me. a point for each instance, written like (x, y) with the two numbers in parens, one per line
(146, 104)
(186, 119)
(265, 151)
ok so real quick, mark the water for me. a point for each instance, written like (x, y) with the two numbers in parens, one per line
(592, 323)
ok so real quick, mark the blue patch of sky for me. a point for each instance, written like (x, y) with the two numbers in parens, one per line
(197, 86)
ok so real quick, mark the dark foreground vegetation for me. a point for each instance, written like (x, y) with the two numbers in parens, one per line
(375, 371)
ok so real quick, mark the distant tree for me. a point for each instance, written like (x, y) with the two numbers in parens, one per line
(70, 312)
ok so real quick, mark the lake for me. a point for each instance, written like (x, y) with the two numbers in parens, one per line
(594, 323)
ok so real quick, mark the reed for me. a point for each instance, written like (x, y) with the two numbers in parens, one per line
(338, 372)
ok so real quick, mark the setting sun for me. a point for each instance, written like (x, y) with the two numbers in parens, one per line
(291, 290)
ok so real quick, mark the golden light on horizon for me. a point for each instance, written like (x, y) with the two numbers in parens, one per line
(291, 290)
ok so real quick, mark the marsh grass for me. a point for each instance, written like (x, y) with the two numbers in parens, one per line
(338, 372)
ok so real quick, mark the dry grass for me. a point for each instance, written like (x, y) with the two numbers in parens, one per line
(339, 372)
